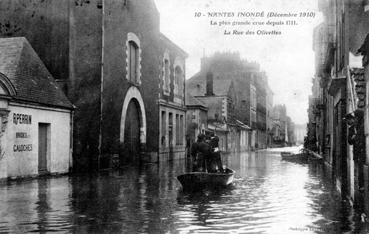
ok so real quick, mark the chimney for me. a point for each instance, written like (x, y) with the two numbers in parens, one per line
(209, 84)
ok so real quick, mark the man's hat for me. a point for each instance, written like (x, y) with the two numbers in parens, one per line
(201, 137)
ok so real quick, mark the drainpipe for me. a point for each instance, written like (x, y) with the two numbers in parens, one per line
(101, 83)
(71, 141)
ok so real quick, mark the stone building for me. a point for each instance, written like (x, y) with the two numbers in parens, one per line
(300, 133)
(260, 83)
(339, 94)
(196, 118)
(35, 116)
(280, 136)
(124, 76)
(269, 116)
(242, 86)
(171, 99)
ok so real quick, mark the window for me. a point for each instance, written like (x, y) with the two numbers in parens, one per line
(166, 73)
(178, 131)
(170, 129)
(133, 59)
(163, 128)
(178, 77)
(181, 130)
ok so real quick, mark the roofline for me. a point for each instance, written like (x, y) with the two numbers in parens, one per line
(25, 101)
(194, 106)
(8, 84)
(197, 74)
(162, 36)
(198, 96)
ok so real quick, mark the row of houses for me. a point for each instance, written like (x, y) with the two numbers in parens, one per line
(338, 107)
(231, 97)
(87, 83)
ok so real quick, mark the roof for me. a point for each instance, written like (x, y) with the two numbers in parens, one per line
(196, 85)
(242, 125)
(28, 75)
(192, 101)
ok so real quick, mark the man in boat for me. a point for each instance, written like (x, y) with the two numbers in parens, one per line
(215, 161)
(200, 151)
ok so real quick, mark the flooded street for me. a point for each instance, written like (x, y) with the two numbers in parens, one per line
(268, 196)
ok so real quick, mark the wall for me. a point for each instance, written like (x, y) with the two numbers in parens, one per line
(177, 151)
(217, 106)
(244, 140)
(84, 84)
(44, 24)
(25, 163)
(142, 19)
(200, 122)
(66, 34)
(242, 98)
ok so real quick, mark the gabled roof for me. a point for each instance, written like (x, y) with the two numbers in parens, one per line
(192, 101)
(28, 75)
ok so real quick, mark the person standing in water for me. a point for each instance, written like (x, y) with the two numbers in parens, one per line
(200, 151)
(215, 161)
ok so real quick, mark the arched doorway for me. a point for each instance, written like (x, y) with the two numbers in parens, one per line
(132, 130)
(133, 126)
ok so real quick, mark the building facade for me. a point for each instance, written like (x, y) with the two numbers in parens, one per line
(241, 84)
(337, 105)
(35, 116)
(283, 127)
(269, 116)
(114, 64)
(196, 119)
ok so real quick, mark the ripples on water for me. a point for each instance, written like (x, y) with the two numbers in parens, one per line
(268, 196)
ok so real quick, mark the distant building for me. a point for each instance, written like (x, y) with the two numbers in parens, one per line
(280, 136)
(283, 128)
(269, 116)
(300, 133)
(35, 115)
(196, 119)
(240, 86)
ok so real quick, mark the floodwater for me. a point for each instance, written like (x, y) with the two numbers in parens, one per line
(268, 196)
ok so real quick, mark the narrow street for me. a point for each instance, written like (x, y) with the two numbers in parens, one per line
(268, 195)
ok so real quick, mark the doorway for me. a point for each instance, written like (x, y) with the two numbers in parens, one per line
(132, 131)
(43, 147)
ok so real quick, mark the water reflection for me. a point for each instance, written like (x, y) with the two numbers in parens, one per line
(269, 196)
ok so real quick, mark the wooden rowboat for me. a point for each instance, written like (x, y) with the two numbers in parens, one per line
(198, 180)
(288, 156)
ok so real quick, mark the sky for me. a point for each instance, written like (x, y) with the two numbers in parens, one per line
(287, 59)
